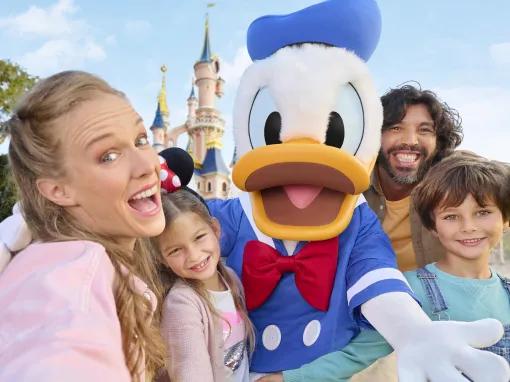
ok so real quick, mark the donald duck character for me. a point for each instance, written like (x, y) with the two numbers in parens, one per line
(314, 261)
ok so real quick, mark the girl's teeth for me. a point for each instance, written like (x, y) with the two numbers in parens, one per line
(200, 265)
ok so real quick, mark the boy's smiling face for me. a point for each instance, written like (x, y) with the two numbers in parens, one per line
(469, 231)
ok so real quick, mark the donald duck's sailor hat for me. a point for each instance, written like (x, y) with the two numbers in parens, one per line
(351, 24)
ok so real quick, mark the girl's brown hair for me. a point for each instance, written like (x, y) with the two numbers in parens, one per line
(180, 202)
(449, 182)
(34, 153)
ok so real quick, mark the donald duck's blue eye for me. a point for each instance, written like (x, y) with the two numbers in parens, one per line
(265, 122)
(346, 121)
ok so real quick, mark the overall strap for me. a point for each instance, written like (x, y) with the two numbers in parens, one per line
(434, 295)
(506, 283)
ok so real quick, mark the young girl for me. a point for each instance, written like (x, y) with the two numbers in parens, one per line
(76, 305)
(204, 322)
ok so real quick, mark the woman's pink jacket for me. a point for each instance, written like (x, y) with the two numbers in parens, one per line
(58, 319)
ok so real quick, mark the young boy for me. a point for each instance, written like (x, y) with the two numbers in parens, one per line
(465, 201)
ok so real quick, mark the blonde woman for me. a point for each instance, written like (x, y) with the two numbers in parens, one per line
(77, 303)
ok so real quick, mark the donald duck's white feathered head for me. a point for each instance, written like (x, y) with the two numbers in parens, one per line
(307, 118)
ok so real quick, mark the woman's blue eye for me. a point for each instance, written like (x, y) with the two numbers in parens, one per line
(109, 157)
(142, 141)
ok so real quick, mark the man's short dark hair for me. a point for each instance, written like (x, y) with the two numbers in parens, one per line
(447, 121)
(449, 182)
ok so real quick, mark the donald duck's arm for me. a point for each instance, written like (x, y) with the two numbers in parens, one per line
(420, 341)
(436, 351)
(229, 214)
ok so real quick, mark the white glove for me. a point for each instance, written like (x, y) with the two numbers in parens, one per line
(14, 236)
(445, 347)
(436, 351)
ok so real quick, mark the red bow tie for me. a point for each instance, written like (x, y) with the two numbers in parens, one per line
(314, 267)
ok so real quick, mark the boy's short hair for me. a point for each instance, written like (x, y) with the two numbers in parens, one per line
(451, 180)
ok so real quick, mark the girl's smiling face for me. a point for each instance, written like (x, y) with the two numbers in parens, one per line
(190, 247)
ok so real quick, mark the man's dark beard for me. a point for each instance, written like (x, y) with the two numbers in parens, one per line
(412, 177)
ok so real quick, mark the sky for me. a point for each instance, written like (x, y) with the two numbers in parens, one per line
(460, 49)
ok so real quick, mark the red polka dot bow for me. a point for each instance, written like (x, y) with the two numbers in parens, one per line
(169, 179)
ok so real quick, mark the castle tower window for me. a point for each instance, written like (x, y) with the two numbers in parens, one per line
(224, 187)
(208, 186)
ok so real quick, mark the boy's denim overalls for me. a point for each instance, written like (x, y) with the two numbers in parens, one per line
(436, 299)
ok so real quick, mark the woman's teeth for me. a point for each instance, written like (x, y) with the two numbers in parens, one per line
(146, 193)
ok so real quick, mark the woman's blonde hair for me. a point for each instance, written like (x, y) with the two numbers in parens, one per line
(175, 204)
(35, 152)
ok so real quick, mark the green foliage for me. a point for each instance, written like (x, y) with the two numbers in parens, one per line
(14, 82)
(7, 189)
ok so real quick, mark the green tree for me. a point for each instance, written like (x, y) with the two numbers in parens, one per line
(7, 189)
(14, 81)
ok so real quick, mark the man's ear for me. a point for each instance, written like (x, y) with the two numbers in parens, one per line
(56, 192)
(216, 228)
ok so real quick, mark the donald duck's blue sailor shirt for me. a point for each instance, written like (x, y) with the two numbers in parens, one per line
(290, 332)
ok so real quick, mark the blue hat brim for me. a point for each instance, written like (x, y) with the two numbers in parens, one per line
(351, 24)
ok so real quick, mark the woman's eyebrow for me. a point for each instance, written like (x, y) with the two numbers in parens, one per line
(98, 138)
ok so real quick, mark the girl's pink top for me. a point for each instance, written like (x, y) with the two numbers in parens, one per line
(58, 319)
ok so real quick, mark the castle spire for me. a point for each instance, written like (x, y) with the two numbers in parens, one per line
(162, 93)
(206, 50)
(192, 93)
(161, 123)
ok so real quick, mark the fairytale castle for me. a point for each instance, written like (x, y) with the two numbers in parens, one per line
(204, 125)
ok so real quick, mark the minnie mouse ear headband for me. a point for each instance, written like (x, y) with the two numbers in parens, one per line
(177, 168)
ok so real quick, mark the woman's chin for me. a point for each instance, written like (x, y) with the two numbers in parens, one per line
(155, 227)
(148, 227)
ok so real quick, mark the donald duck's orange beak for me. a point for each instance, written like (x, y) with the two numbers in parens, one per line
(301, 189)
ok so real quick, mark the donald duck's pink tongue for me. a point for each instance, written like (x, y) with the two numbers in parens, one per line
(302, 196)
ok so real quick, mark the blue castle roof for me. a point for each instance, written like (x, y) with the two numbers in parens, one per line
(213, 163)
(206, 50)
(158, 120)
(192, 93)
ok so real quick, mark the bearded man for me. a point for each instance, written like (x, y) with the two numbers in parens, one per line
(418, 131)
